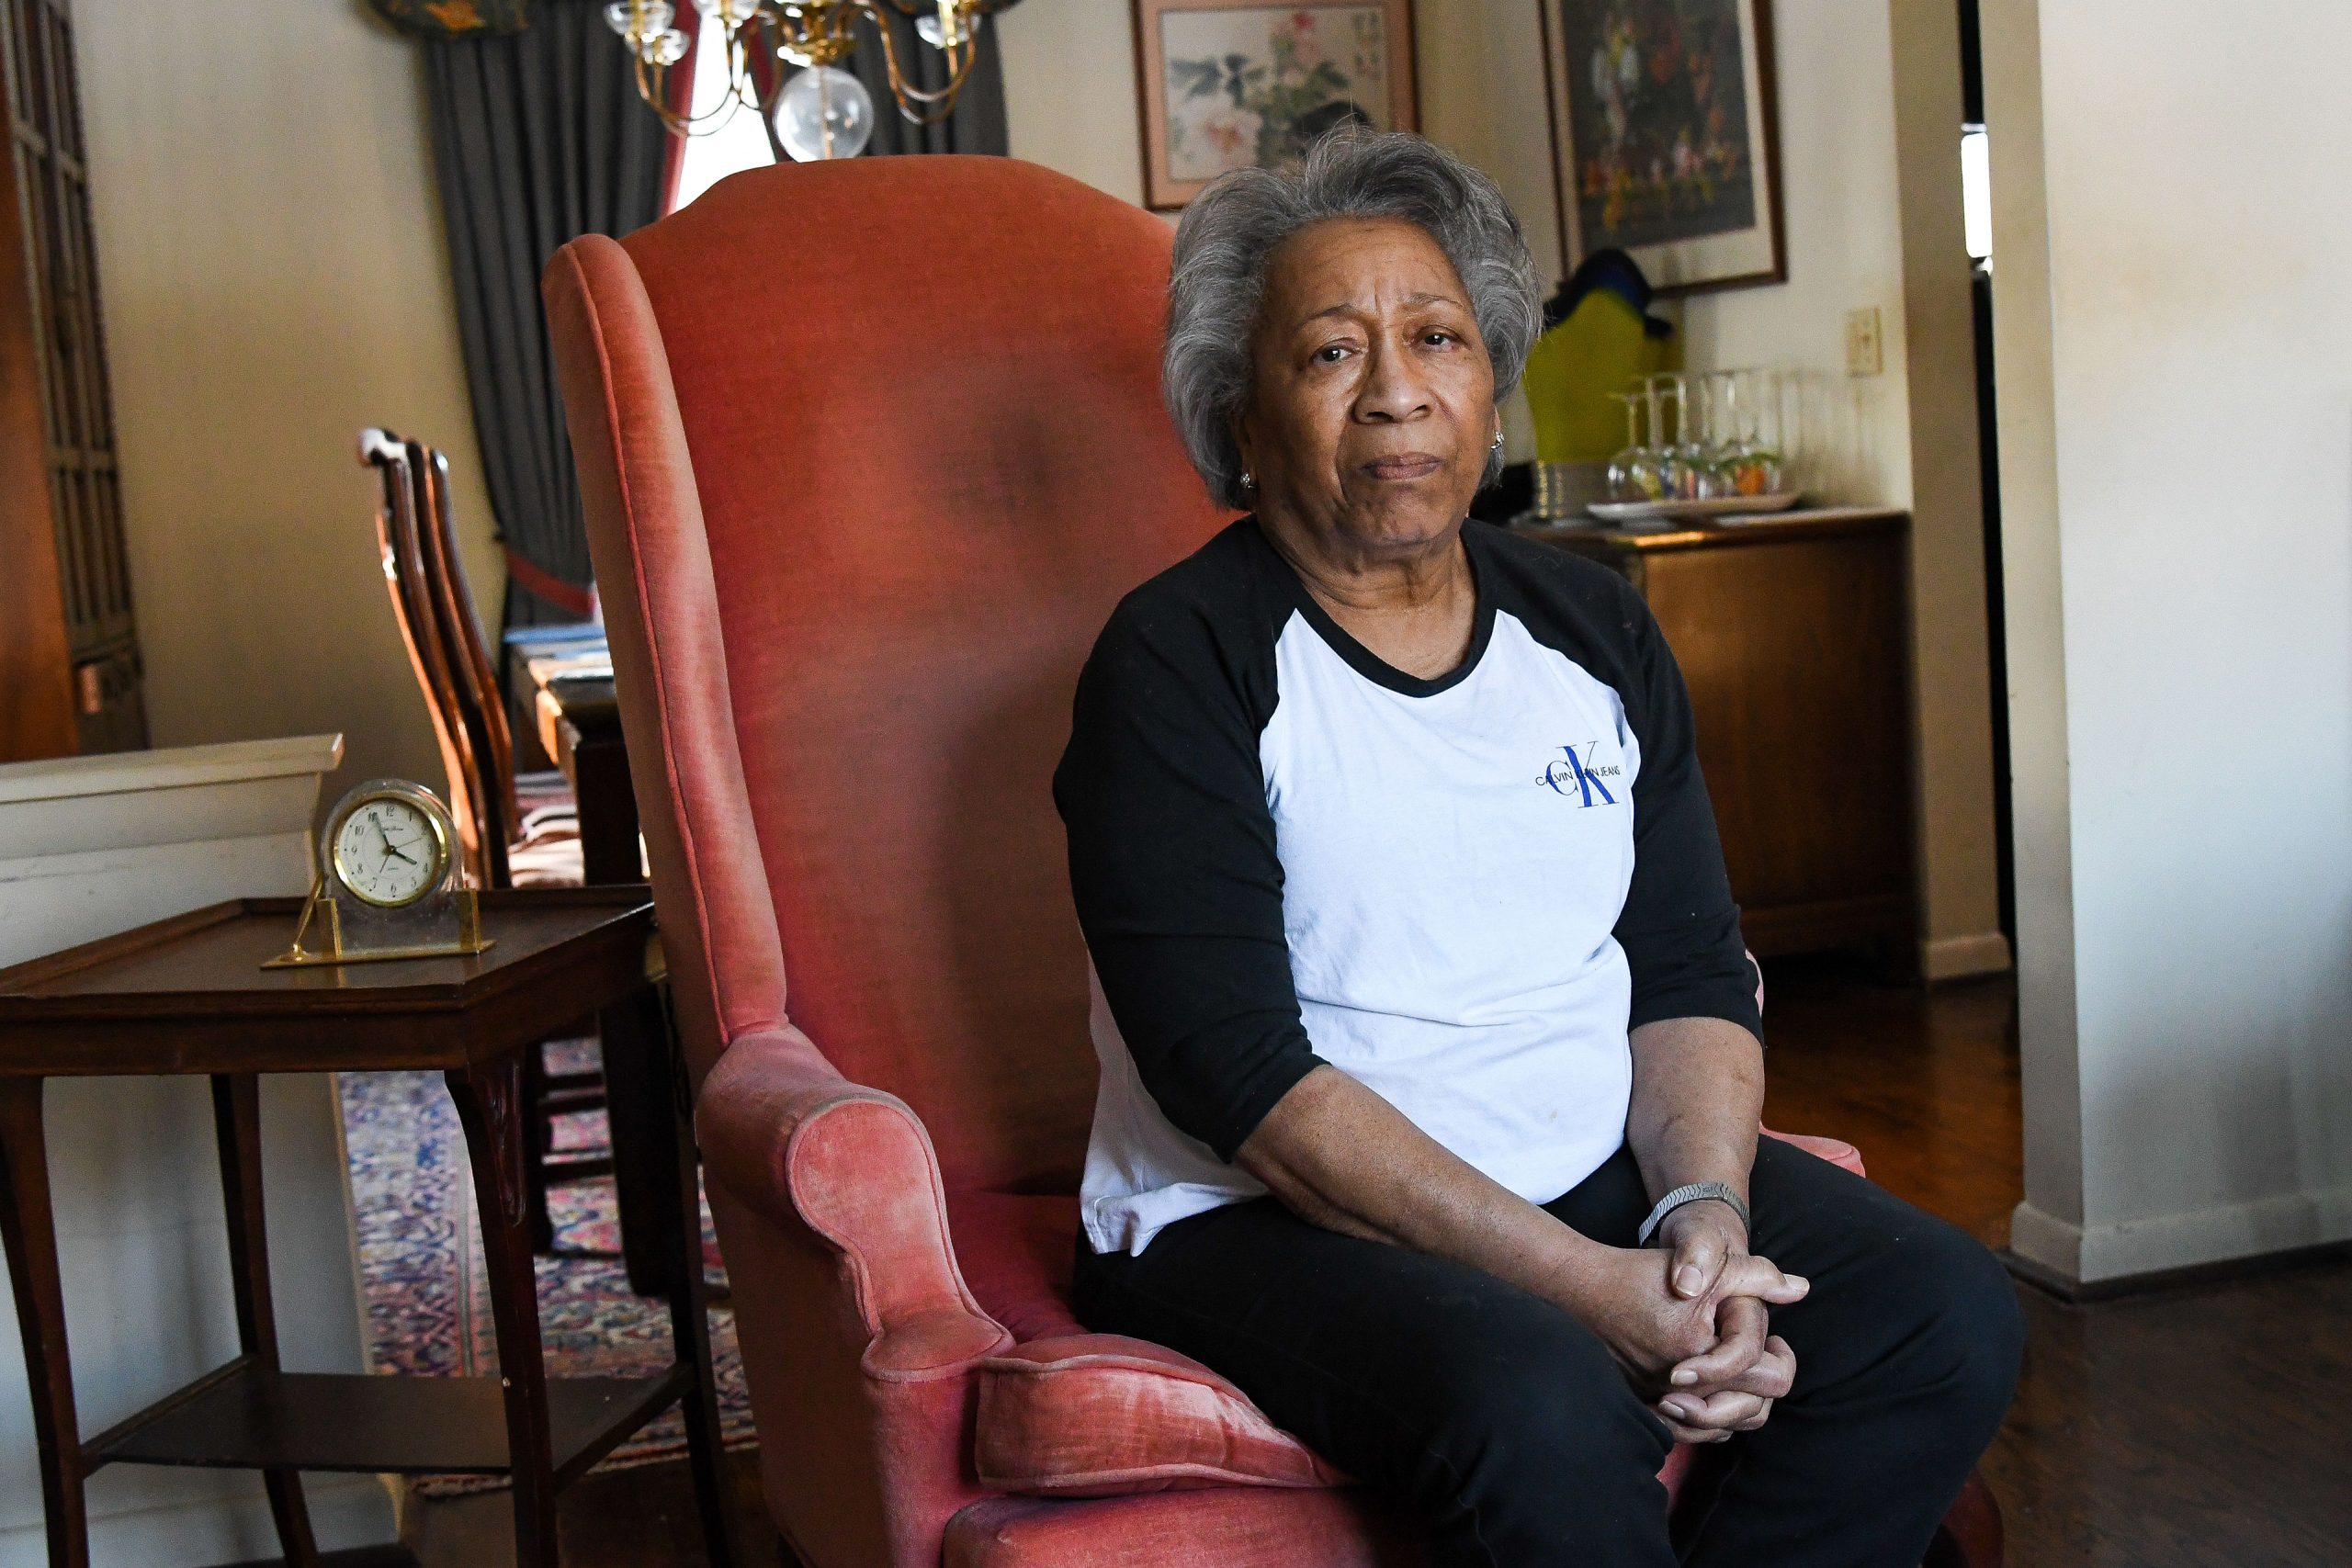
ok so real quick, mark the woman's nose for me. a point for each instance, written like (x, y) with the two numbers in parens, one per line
(1393, 389)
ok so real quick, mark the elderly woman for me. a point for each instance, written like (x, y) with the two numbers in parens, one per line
(1430, 1054)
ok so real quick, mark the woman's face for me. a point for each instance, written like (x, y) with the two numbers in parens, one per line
(1372, 406)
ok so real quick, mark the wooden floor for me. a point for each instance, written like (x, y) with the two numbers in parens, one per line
(1925, 1083)
(2194, 1426)
(2186, 1427)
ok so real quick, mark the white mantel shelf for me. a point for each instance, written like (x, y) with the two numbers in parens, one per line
(122, 772)
(93, 845)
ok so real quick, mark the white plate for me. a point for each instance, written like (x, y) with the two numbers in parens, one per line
(1672, 511)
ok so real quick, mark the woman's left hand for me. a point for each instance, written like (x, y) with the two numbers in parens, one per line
(1711, 1412)
(1731, 1387)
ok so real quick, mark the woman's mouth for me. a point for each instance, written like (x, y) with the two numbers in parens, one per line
(1404, 466)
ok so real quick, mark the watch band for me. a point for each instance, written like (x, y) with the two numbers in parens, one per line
(1691, 1193)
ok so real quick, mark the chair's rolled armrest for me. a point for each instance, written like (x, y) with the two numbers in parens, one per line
(782, 1131)
(1839, 1154)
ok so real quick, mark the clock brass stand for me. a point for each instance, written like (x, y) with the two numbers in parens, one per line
(441, 925)
(351, 918)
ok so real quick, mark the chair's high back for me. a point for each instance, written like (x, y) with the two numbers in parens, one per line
(401, 541)
(869, 451)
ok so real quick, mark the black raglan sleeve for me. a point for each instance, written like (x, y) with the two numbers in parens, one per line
(1679, 928)
(1173, 867)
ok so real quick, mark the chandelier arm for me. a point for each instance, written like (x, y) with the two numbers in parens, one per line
(763, 19)
(763, 105)
(914, 9)
(652, 83)
(959, 65)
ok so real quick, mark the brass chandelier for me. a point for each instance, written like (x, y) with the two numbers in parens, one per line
(823, 111)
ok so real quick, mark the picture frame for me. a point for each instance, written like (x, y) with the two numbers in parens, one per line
(1651, 152)
(1233, 84)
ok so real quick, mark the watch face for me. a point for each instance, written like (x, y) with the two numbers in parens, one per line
(388, 853)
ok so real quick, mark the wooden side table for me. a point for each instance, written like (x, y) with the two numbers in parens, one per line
(188, 995)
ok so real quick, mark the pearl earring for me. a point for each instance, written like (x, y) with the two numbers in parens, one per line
(1498, 442)
(1248, 481)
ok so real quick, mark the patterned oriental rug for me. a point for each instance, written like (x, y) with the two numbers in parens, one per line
(428, 1290)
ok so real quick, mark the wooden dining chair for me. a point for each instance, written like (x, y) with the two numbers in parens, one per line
(399, 540)
(513, 832)
(530, 820)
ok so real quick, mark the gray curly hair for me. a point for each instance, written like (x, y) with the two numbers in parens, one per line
(1230, 231)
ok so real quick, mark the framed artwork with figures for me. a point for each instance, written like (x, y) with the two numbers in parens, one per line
(1222, 85)
(1665, 138)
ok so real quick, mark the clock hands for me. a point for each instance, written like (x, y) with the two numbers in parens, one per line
(390, 849)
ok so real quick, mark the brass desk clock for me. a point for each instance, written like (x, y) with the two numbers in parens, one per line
(387, 884)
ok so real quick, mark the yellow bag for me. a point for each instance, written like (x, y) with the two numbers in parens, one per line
(1604, 341)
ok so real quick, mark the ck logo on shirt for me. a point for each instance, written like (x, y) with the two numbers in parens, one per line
(1582, 776)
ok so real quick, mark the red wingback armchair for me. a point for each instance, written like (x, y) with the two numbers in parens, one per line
(868, 451)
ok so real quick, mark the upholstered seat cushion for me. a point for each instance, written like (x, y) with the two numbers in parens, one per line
(1069, 1414)
(1103, 1416)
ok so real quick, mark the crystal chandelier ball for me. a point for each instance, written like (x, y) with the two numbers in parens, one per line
(824, 112)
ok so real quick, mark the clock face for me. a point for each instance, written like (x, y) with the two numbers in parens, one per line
(387, 851)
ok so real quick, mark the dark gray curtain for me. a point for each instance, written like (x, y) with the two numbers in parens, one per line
(978, 124)
(537, 138)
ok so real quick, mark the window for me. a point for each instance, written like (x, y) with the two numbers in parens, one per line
(737, 142)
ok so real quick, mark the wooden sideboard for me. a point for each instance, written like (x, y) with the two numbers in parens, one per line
(1795, 636)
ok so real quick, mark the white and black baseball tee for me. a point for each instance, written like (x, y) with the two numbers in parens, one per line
(1462, 892)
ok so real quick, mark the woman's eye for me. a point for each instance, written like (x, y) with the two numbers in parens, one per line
(1330, 353)
(1436, 335)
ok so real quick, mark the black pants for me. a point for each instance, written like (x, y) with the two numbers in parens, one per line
(1504, 1422)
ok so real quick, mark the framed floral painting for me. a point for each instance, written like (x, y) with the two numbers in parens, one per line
(1234, 86)
(1666, 136)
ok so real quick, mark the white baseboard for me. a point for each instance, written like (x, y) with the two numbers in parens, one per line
(346, 1511)
(2055, 1244)
(2117, 1251)
(1957, 957)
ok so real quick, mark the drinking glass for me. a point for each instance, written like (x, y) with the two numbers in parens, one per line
(1685, 458)
(1785, 430)
(1634, 472)
(1751, 465)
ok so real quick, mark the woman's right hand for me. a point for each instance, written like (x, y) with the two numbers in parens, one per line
(1624, 1296)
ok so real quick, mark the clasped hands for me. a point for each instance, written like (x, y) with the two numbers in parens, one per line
(1686, 1322)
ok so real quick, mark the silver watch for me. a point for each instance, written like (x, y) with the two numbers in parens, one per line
(1693, 1193)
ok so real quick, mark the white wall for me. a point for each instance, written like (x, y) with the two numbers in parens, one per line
(2180, 566)
(1070, 92)
(1872, 219)
(1841, 195)
(275, 279)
